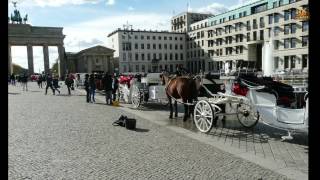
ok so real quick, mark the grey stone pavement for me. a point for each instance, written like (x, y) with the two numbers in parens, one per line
(63, 137)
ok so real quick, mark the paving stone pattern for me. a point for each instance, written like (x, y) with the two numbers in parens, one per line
(63, 137)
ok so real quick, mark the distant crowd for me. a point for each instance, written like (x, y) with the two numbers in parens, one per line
(92, 82)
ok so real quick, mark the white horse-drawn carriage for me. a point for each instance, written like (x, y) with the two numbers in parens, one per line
(250, 107)
(140, 91)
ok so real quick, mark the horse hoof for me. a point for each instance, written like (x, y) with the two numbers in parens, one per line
(185, 119)
(170, 117)
(176, 115)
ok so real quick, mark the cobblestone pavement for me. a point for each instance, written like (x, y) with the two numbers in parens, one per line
(63, 137)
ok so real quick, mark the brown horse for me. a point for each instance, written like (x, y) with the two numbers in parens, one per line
(181, 87)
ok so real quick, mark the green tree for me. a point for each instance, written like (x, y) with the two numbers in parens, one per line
(17, 69)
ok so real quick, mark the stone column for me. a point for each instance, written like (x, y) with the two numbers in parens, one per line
(10, 69)
(62, 61)
(30, 59)
(46, 58)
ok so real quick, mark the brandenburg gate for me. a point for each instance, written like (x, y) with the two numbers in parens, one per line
(22, 34)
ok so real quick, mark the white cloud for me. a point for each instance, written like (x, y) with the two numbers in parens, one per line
(53, 3)
(87, 34)
(214, 8)
(110, 2)
(130, 8)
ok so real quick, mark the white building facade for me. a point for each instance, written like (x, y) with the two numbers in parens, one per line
(148, 51)
(265, 35)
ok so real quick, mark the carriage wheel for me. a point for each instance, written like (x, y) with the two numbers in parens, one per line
(135, 97)
(203, 116)
(247, 116)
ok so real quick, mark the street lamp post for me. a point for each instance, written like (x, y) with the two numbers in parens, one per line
(127, 28)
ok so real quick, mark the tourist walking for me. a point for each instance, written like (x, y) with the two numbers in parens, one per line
(92, 88)
(39, 81)
(13, 79)
(69, 83)
(55, 83)
(24, 81)
(108, 88)
(87, 87)
(115, 86)
(49, 84)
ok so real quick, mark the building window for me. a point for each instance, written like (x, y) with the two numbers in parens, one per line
(159, 37)
(248, 26)
(305, 40)
(142, 37)
(269, 32)
(304, 60)
(292, 61)
(136, 45)
(137, 68)
(244, 13)
(165, 37)
(154, 46)
(181, 56)
(170, 56)
(148, 37)
(154, 56)
(286, 15)
(148, 46)
(175, 38)
(291, 1)
(286, 43)
(286, 29)
(305, 26)
(135, 37)
(137, 57)
(248, 37)
(254, 35)
(280, 2)
(176, 56)
(293, 28)
(261, 35)
(165, 46)
(286, 62)
(149, 57)
(293, 42)
(255, 26)
(240, 15)
(261, 22)
(160, 56)
(154, 37)
(275, 4)
(142, 57)
(276, 44)
(142, 46)
(165, 56)
(276, 31)
(124, 68)
(170, 47)
(143, 68)
(276, 62)
(270, 18)
(181, 46)
(160, 46)
(276, 17)
(181, 38)
(124, 56)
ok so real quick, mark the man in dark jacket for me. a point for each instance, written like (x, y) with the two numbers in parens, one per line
(49, 84)
(69, 83)
(108, 88)
(92, 87)
(55, 83)
(115, 85)
(87, 87)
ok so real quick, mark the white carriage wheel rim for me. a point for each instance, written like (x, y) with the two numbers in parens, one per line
(203, 116)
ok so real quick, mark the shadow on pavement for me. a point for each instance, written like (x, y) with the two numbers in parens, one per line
(13, 93)
(141, 130)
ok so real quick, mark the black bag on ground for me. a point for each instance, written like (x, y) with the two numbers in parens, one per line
(130, 123)
(124, 121)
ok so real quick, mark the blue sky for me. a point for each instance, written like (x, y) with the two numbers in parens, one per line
(88, 22)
